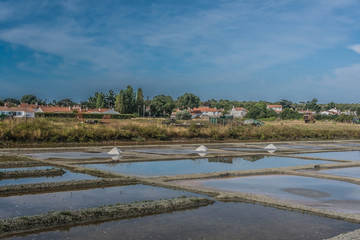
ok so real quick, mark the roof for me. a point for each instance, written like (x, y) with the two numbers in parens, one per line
(96, 110)
(24, 105)
(55, 109)
(15, 109)
(274, 106)
(240, 109)
(207, 109)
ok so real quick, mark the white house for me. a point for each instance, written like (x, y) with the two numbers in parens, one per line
(333, 111)
(276, 108)
(238, 112)
(208, 112)
(18, 112)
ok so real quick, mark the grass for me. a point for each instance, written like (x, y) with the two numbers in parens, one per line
(42, 130)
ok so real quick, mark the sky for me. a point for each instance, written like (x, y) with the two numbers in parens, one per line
(241, 50)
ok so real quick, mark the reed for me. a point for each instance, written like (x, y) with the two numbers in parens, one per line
(42, 130)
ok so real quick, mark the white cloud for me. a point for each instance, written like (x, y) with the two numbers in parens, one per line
(355, 47)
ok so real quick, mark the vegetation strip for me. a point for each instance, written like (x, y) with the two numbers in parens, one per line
(51, 220)
(19, 164)
(24, 189)
(31, 173)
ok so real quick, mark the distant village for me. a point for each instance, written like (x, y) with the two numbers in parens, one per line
(25, 110)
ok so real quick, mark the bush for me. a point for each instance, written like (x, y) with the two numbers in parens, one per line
(183, 115)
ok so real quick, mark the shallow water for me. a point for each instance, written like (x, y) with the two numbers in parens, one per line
(353, 172)
(319, 193)
(218, 221)
(204, 165)
(348, 155)
(67, 176)
(42, 203)
(245, 149)
(168, 151)
(26, 168)
(303, 146)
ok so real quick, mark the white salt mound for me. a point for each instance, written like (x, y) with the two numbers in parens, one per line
(270, 147)
(202, 148)
(115, 151)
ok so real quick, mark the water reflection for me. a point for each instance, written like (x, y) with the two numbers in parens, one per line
(218, 221)
(320, 193)
(348, 155)
(203, 165)
(67, 176)
(71, 200)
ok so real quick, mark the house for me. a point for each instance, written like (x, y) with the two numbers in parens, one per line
(18, 112)
(208, 112)
(54, 109)
(333, 111)
(306, 112)
(238, 112)
(276, 108)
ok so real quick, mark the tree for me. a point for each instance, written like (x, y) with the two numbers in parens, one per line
(120, 102)
(100, 100)
(285, 103)
(66, 102)
(312, 105)
(330, 105)
(127, 100)
(1, 102)
(288, 113)
(183, 115)
(140, 103)
(31, 99)
(110, 99)
(12, 100)
(162, 105)
(188, 100)
(259, 110)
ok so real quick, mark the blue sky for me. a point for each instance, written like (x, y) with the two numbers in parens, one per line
(237, 50)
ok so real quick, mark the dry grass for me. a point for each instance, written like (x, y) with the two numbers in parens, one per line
(69, 130)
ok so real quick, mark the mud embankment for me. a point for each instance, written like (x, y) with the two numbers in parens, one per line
(52, 172)
(33, 188)
(19, 225)
(21, 164)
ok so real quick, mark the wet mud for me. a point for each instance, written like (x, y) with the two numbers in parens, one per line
(31, 173)
(20, 225)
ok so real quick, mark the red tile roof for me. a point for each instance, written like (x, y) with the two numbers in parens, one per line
(13, 109)
(274, 106)
(55, 109)
(207, 109)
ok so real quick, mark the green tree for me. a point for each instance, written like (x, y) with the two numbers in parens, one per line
(140, 103)
(110, 99)
(285, 103)
(100, 100)
(188, 100)
(259, 110)
(330, 105)
(183, 115)
(162, 105)
(129, 100)
(66, 102)
(312, 105)
(288, 113)
(12, 100)
(31, 99)
(1, 102)
(120, 102)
